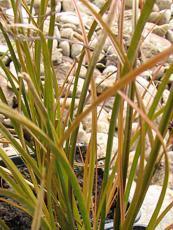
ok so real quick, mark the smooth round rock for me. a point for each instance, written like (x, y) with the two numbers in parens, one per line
(99, 3)
(161, 17)
(58, 7)
(161, 30)
(67, 17)
(110, 69)
(83, 72)
(3, 49)
(164, 4)
(65, 46)
(82, 135)
(67, 33)
(76, 50)
(5, 3)
(149, 205)
(102, 143)
(152, 45)
(57, 56)
(67, 5)
(169, 35)
(146, 90)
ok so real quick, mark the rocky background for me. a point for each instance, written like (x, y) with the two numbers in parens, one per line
(158, 35)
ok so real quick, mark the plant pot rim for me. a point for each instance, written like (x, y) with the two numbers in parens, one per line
(110, 223)
(17, 160)
(138, 225)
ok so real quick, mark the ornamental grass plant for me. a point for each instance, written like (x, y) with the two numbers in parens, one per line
(53, 197)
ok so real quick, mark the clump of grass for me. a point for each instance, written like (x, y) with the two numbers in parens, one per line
(54, 197)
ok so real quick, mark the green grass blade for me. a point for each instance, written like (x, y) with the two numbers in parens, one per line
(51, 26)
(59, 153)
(3, 225)
(151, 224)
(19, 178)
(150, 164)
(161, 216)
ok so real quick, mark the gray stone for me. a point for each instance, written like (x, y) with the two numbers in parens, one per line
(2, 40)
(13, 70)
(103, 127)
(106, 45)
(67, 5)
(166, 16)
(67, 103)
(149, 205)
(155, 8)
(171, 24)
(112, 59)
(24, 14)
(58, 7)
(93, 43)
(68, 17)
(5, 3)
(38, 2)
(164, 4)
(56, 31)
(110, 50)
(7, 122)
(68, 91)
(3, 49)
(169, 35)
(147, 74)
(146, 90)
(102, 143)
(161, 17)
(171, 9)
(128, 3)
(135, 127)
(152, 45)
(110, 69)
(76, 50)
(67, 33)
(57, 56)
(108, 106)
(161, 30)
(82, 136)
(165, 96)
(103, 117)
(83, 72)
(170, 156)
(85, 10)
(65, 46)
(99, 3)
(63, 68)
(171, 78)
(68, 25)
(105, 81)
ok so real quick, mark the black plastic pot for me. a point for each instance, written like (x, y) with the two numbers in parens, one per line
(110, 226)
(17, 160)
(139, 227)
